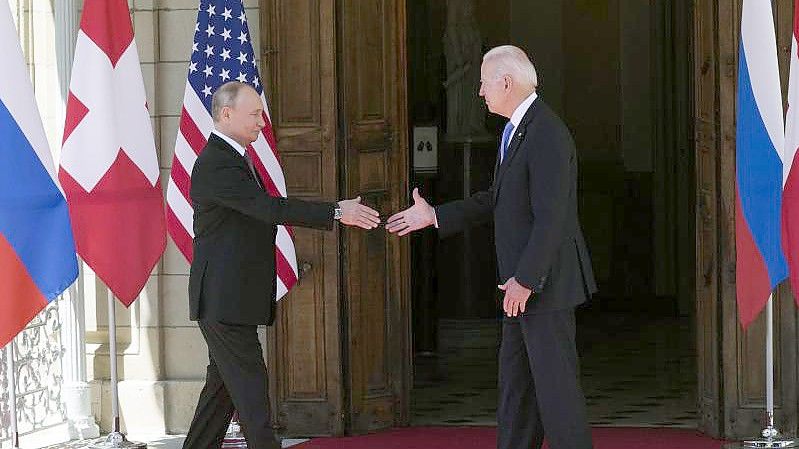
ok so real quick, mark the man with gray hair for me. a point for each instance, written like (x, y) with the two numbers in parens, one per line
(232, 283)
(542, 259)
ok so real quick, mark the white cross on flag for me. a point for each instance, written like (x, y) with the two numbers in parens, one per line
(109, 166)
(221, 52)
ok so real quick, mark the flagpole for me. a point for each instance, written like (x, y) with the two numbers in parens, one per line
(115, 439)
(770, 436)
(12, 396)
(770, 431)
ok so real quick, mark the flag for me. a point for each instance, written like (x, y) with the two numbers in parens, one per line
(760, 264)
(790, 194)
(37, 251)
(221, 52)
(109, 167)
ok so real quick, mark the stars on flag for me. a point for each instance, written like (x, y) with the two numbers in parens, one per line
(222, 49)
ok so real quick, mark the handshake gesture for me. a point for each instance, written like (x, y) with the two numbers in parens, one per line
(416, 217)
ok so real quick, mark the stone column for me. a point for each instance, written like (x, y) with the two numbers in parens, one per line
(75, 390)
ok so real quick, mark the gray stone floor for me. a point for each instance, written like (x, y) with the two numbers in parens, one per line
(152, 442)
(636, 371)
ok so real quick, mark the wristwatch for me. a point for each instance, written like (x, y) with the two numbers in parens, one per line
(337, 213)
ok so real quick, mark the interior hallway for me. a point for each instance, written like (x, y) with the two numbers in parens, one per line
(636, 371)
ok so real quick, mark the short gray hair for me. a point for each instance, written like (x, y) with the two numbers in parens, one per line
(513, 61)
(225, 96)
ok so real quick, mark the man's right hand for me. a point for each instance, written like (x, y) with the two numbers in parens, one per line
(353, 213)
(418, 216)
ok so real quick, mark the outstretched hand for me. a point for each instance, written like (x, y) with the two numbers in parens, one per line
(353, 213)
(418, 216)
(516, 296)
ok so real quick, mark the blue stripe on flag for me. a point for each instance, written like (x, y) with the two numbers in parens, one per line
(759, 175)
(33, 213)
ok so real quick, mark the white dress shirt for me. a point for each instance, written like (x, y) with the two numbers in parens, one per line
(229, 140)
(518, 113)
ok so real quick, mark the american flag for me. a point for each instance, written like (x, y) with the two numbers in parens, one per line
(221, 52)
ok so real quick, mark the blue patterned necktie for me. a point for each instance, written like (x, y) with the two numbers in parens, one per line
(503, 146)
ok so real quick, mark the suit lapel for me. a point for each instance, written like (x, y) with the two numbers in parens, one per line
(224, 146)
(516, 140)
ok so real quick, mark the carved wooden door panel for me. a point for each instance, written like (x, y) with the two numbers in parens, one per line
(374, 155)
(298, 51)
(339, 354)
(731, 360)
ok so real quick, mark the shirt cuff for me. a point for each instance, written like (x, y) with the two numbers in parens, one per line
(435, 219)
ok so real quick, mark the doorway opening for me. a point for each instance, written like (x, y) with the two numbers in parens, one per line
(627, 99)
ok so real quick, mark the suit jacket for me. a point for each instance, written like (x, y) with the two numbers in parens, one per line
(533, 202)
(232, 275)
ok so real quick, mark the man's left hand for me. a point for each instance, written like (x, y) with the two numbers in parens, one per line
(516, 296)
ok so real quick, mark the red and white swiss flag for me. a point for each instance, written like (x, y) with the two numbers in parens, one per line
(109, 166)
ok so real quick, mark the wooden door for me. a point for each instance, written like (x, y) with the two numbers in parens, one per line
(731, 360)
(372, 91)
(339, 353)
(298, 50)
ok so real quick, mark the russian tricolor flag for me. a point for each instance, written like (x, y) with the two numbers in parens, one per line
(760, 264)
(37, 251)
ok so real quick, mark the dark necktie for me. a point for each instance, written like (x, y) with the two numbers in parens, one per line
(252, 170)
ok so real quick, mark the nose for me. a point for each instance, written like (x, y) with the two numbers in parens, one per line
(261, 122)
(481, 93)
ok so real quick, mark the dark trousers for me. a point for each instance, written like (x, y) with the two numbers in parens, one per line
(236, 378)
(539, 387)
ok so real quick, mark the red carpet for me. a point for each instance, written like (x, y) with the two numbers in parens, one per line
(485, 438)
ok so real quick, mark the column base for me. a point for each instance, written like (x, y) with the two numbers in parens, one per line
(80, 421)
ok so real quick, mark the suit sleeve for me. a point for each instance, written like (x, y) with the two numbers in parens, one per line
(456, 216)
(549, 184)
(229, 185)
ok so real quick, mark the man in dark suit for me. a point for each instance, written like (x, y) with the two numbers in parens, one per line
(232, 282)
(542, 259)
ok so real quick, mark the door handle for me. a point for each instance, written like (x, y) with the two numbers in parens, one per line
(303, 268)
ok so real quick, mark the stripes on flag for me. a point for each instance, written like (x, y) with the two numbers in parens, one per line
(760, 264)
(221, 52)
(37, 248)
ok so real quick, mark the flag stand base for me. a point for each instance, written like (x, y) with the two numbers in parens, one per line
(234, 438)
(771, 438)
(117, 440)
